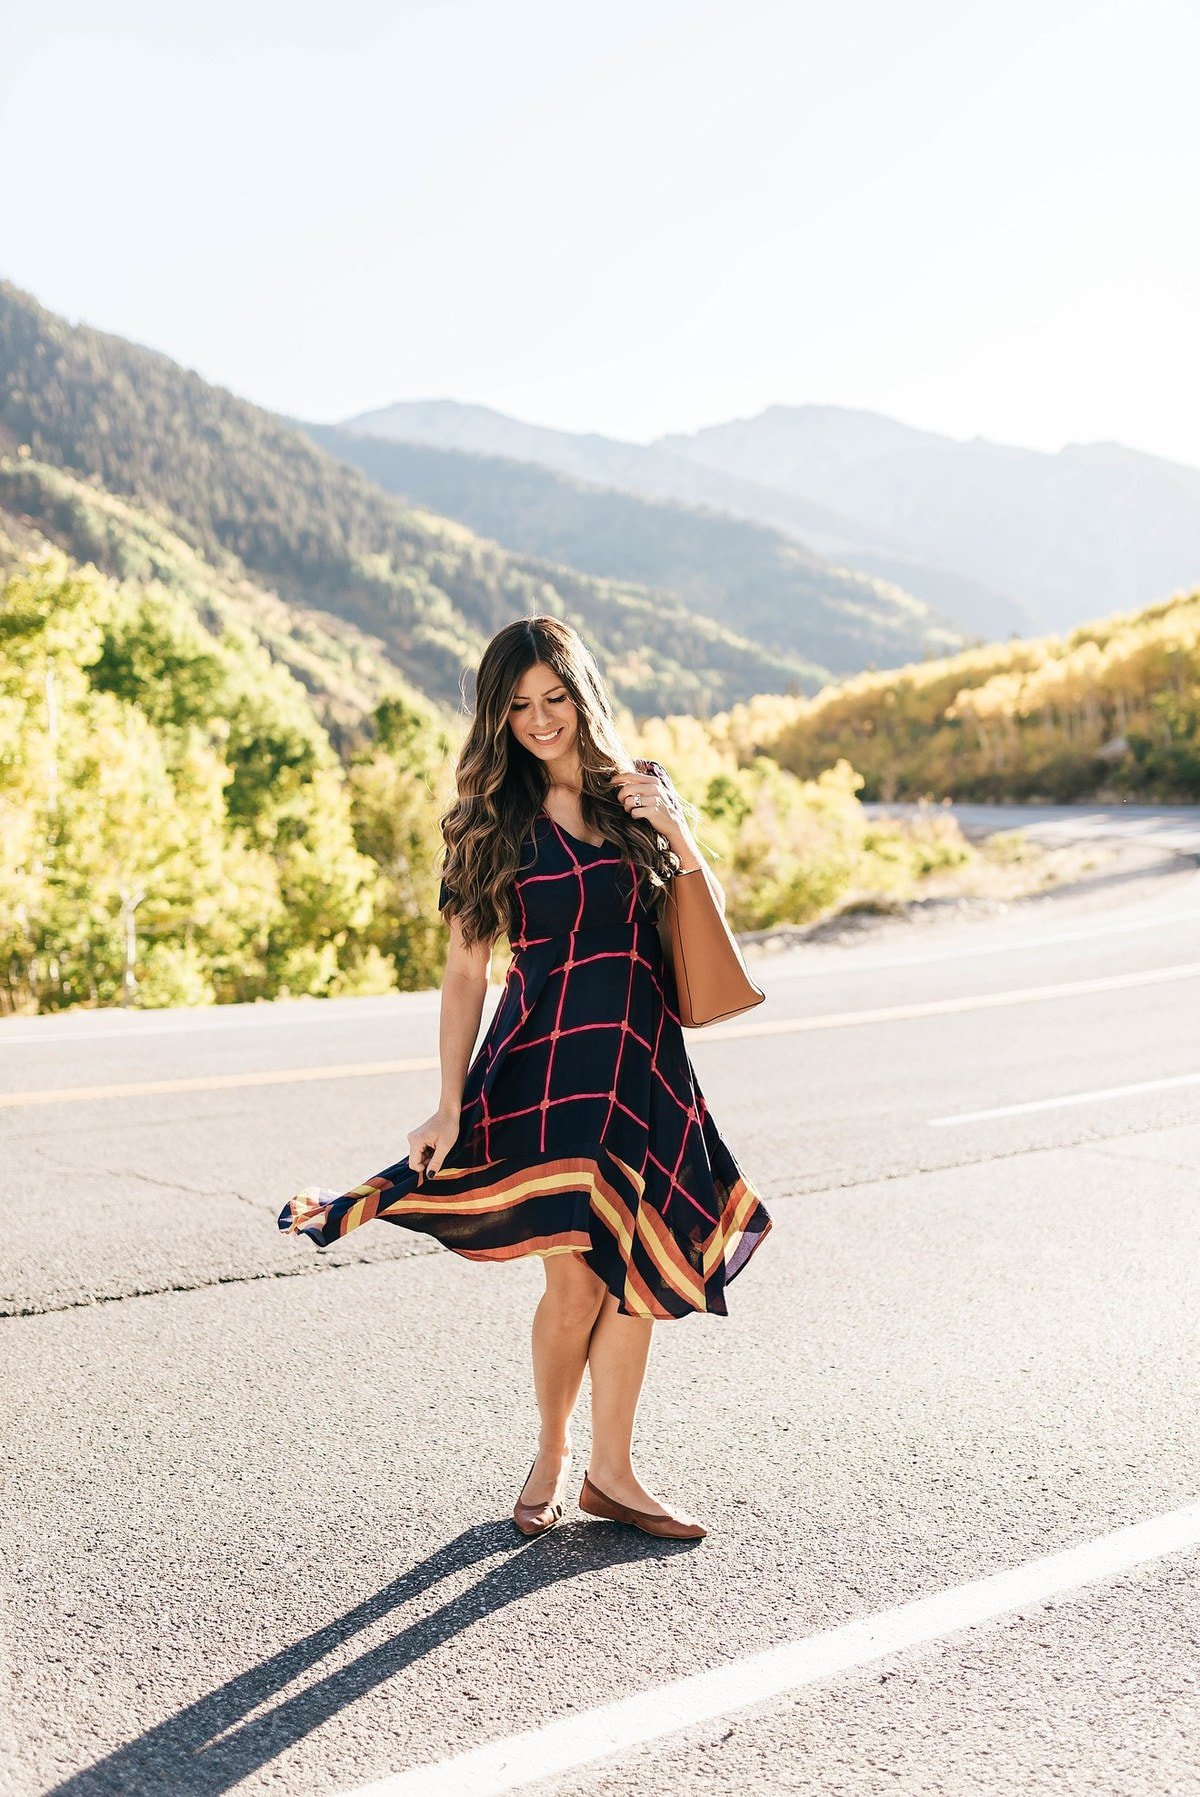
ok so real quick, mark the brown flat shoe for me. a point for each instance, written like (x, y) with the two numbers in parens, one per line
(595, 1502)
(535, 1519)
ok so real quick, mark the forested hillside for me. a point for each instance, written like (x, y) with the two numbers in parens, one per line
(750, 576)
(344, 672)
(1114, 706)
(234, 480)
(176, 821)
(177, 828)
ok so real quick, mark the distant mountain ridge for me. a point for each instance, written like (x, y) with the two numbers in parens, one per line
(747, 575)
(1069, 535)
(659, 471)
(654, 470)
(999, 539)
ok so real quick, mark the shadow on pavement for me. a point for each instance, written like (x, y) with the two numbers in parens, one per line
(215, 1742)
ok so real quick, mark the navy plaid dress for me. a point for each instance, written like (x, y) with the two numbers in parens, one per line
(583, 1127)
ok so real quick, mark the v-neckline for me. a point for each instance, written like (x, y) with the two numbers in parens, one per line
(582, 841)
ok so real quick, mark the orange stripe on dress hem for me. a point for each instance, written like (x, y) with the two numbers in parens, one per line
(569, 1241)
(353, 1217)
(639, 1309)
(521, 1175)
(620, 1210)
(574, 1162)
(739, 1193)
(668, 1258)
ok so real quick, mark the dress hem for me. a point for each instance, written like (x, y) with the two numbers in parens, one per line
(517, 1212)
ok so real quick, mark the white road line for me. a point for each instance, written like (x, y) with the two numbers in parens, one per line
(839, 956)
(1053, 1104)
(589, 1735)
(939, 1007)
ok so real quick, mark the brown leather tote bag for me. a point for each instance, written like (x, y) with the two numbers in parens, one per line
(711, 980)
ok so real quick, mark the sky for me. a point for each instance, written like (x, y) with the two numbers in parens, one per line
(633, 218)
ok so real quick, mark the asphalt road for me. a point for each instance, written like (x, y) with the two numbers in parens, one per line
(1166, 826)
(257, 1498)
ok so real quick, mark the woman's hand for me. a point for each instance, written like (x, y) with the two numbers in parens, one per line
(638, 792)
(429, 1145)
(646, 796)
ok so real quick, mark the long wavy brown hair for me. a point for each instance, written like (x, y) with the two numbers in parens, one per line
(501, 786)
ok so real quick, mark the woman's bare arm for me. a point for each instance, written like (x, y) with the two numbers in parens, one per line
(688, 849)
(464, 988)
(693, 861)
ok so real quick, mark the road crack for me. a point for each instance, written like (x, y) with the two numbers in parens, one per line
(13, 1309)
(1141, 1160)
(978, 1160)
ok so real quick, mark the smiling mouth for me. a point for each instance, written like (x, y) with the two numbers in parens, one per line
(549, 737)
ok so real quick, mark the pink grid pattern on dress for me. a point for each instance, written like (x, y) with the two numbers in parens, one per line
(693, 1112)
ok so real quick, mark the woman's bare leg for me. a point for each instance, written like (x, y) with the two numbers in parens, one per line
(562, 1325)
(617, 1355)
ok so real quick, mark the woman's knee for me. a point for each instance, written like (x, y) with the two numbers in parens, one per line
(574, 1293)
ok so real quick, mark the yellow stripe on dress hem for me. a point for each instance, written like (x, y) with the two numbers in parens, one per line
(423, 1199)
(717, 1247)
(607, 1210)
(636, 1304)
(353, 1216)
(681, 1279)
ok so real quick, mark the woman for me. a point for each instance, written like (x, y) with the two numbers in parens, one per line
(578, 1132)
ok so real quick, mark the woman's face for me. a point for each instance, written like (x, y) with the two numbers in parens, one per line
(542, 715)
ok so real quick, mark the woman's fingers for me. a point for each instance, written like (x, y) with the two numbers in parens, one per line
(428, 1148)
(646, 788)
(420, 1147)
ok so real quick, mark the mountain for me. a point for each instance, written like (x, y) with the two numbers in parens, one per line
(607, 461)
(996, 538)
(1069, 535)
(258, 499)
(669, 469)
(747, 575)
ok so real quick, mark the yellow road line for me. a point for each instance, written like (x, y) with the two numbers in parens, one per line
(217, 1082)
(783, 1026)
